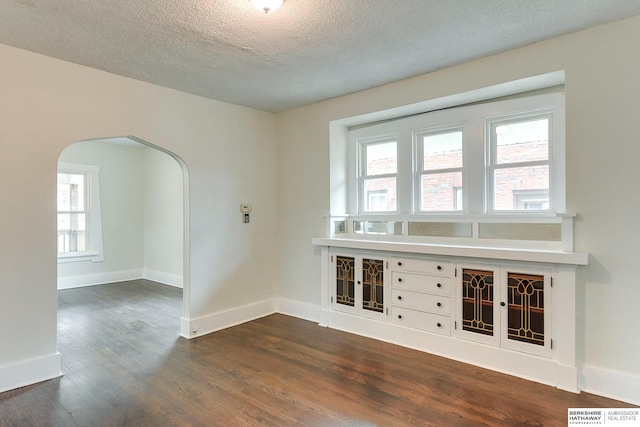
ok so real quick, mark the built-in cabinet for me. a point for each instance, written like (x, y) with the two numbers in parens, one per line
(504, 309)
(503, 305)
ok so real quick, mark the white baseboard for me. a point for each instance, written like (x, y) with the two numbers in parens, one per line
(29, 372)
(299, 309)
(70, 282)
(169, 279)
(192, 328)
(612, 384)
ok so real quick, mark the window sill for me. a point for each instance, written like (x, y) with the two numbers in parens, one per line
(511, 254)
(80, 257)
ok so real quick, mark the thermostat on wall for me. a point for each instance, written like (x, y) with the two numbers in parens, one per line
(245, 208)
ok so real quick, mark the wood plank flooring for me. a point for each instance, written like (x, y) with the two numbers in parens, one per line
(125, 365)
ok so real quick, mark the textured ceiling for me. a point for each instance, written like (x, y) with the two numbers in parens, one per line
(306, 51)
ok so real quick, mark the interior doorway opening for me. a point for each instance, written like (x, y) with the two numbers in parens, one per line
(122, 215)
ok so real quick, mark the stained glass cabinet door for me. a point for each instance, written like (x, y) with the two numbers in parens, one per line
(527, 324)
(478, 304)
(359, 285)
(373, 285)
(344, 283)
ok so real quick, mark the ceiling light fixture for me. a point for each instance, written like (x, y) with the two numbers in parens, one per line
(266, 5)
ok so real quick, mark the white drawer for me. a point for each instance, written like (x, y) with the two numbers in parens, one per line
(421, 283)
(441, 268)
(421, 320)
(423, 302)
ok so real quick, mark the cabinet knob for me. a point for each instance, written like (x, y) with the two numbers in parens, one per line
(399, 316)
(399, 296)
(439, 267)
(439, 304)
(439, 285)
(358, 282)
(399, 264)
(439, 325)
(399, 279)
(502, 304)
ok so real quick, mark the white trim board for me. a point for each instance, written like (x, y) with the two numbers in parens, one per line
(612, 384)
(29, 372)
(169, 279)
(193, 328)
(70, 282)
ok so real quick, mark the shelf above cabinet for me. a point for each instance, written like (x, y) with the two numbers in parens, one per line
(509, 254)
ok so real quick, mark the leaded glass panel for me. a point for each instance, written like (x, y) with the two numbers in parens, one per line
(373, 285)
(526, 308)
(345, 281)
(477, 301)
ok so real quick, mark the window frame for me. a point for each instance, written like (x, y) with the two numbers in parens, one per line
(94, 250)
(362, 145)
(472, 118)
(419, 171)
(492, 164)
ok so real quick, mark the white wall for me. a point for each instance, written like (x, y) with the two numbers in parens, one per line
(230, 155)
(121, 193)
(163, 219)
(602, 108)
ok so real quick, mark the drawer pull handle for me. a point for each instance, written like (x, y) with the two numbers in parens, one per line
(399, 279)
(502, 304)
(439, 285)
(439, 325)
(399, 296)
(399, 316)
(399, 264)
(439, 267)
(439, 304)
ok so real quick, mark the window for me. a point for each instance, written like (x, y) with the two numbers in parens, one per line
(492, 157)
(379, 169)
(72, 212)
(439, 170)
(519, 171)
(79, 216)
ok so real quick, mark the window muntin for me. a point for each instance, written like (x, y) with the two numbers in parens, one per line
(519, 163)
(378, 181)
(440, 171)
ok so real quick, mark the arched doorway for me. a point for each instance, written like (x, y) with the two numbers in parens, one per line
(122, 215)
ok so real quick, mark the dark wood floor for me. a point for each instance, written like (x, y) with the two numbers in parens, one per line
(124, 365)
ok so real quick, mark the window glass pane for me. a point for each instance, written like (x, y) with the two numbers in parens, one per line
(382, 158)
(378, 227)
(71, 233)
(441, 192)
(522, 142)
(71, 192)
(442, 151)
(380, 194)
(525, 188)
